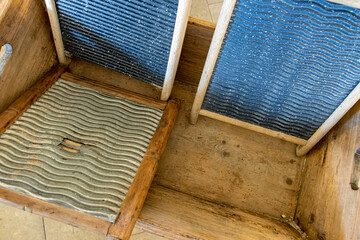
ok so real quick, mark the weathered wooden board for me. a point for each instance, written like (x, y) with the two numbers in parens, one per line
(230, 165)
(195, 48)
(177, 215)
(328, 208)
(24, 24)
(99, 73)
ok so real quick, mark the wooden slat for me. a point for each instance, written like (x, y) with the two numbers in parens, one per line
(339, 112)
(100, 86)
(176, 215)
(135, 197)
(196, 45)
(252, 127)
(53, 211)
(219, 34)
(328, 208)
(56, 31)
(176, 45)
(30, 96)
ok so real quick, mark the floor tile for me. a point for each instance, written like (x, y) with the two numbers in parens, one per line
(200, 9)
(16, 224)
(60, 231)
(215, 11)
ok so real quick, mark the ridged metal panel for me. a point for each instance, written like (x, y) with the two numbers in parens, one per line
(38, 156)
(286, 65)
(129, 36)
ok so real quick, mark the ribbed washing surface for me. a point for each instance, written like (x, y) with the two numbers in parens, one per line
(129, 36)
(286, 65)
(77, 148)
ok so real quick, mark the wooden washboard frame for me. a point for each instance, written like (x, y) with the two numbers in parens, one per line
(304, 146)
(130, 209)
(176, 44)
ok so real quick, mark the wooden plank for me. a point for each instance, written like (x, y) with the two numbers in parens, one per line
(53, 211)
(328, 208)
(196, 45)
(24, 25)
(339, 112)
(351, 3)
(98, 73)
(176, 215)
(21, 104)
(56, 31)
(252, 127)
(107, 88)
(135, 197)
(176, 45)
(221, 27)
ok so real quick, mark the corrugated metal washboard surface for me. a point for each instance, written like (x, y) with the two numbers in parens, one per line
(129, 36)
(77, 148)
(286, 65)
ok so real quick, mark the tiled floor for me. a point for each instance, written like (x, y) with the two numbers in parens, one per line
(18, 225)
(206, 9)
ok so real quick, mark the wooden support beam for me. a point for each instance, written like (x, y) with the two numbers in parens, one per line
(21, 104)
(176, 46)
(134, 200)
(215, 46)
(56, 31)
(107, 88)
(176, 215)
(253, 127)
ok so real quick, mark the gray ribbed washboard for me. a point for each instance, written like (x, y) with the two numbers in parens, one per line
(78, 148)
(129, 36)
(286, 65)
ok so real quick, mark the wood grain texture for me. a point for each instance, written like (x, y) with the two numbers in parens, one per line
(176, 215)
(229, 165)
(253, 127)
(24, 24)
(53, 211)
(107, 88)
(98, 73)
(355, 175)
(195, 48)
(135, 197)
(328, 208)
(21, 104)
